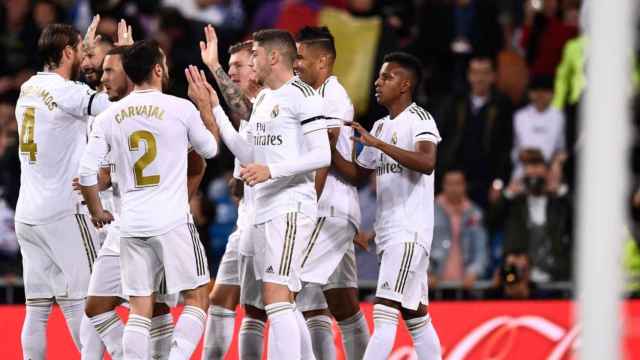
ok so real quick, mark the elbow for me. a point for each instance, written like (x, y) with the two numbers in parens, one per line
(428, 168)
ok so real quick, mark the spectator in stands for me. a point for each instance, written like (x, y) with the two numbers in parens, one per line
(47, 12)
(459, 249)
(223, 14)
(8, 241)
(545, 32)
(537, 217)
(538, 125)
(477, 133)
(450, 31)
(18, 38)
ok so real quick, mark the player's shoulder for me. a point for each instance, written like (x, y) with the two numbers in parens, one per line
(333, 90)
(418, 113)
(298, 89)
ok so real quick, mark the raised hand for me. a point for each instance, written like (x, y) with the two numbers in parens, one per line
(90, 38)
(209, 49)
(198, 91)
(125, 34)
(365, 138)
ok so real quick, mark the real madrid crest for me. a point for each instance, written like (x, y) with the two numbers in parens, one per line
(394, 138)
(275, 111)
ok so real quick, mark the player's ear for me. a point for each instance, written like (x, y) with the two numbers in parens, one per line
(157, 70)
(273, 56)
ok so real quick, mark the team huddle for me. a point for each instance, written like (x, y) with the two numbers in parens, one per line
(136, 156)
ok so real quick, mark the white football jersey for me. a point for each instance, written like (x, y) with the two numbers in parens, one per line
(148, 134)
(339, 198)
(279, 120)
(246, 209)
(52, 121)
(404, 197)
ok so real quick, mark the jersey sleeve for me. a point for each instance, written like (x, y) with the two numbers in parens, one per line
(80, 100)
(310, 113)
(369, 155)
(425, 130)
(200, 138)
(95, 153)
(337, 108)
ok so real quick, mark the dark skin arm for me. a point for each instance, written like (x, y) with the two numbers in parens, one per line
(195, 171)
(349, 170)
(321, 174)
(422, 160)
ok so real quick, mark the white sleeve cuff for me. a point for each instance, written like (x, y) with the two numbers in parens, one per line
(89, 180)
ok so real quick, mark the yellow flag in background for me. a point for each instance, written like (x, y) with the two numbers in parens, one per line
(356, 43)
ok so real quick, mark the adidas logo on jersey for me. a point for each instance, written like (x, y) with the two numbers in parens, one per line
(385, 286)
(269, 270)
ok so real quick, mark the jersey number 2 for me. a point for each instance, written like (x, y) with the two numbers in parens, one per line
(146, 159)
(27, 144)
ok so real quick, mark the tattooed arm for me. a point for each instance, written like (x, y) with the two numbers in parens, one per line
(239, 104)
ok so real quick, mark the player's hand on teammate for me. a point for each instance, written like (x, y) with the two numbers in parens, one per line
(365, 138)
(101, 219)
(209, 49)
(125, 34)
(253, 174)
(75, 183)
(363, 238)
(200, 91)
(90, 38)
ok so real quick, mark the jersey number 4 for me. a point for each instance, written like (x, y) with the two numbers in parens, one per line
(27, 144)
(146, 159)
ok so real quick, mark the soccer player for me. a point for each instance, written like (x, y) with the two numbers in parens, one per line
(105, 291)
(58, 248)
(288, 142)
(402, 152)
(148, 134)
(238, 88)
(329, 257)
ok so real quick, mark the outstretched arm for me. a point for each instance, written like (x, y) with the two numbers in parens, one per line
(422, 160)
(239, 104)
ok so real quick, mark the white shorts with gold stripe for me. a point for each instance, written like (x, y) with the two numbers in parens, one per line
(171, 262)
(403, 274)
(283, 238)
(57, 258)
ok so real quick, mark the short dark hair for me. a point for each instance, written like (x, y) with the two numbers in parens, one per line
(483, 58)
(139, 59)
(54, 39)
(318, 36)
(241, 46)
(281, 39)
(408, 62)
(106, 40)
(118, 50)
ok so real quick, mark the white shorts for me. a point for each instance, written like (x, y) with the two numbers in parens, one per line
(177, 257)
(57, 258)
(106, 280)
(228, 269)
(403, 275)
(282, 238)
(250, 286)
(311, 297)
(328, 251)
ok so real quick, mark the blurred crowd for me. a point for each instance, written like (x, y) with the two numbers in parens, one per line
(504, 81)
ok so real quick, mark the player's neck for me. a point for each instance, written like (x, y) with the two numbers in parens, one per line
(321, 80)
(63, 71)
(277, 78)
(398, 106)
(147, 86)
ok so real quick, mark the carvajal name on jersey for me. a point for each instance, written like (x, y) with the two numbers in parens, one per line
(33, 90)
(150, 111)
